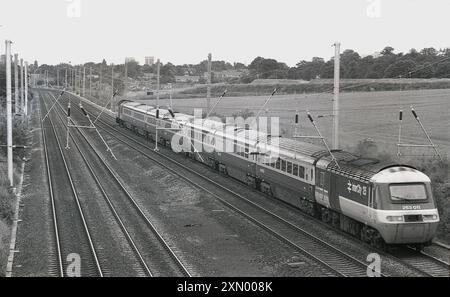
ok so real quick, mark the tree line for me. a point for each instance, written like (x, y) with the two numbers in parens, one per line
(426, 63)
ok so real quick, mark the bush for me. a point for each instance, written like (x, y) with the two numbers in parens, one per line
(6, 199)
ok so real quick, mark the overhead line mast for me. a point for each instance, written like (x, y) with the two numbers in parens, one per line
(335, 136)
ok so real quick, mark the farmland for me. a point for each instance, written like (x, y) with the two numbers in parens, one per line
(363, 115)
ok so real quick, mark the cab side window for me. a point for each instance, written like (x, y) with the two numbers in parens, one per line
(322, 179)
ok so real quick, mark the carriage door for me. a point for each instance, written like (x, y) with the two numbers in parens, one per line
(333, 195)
(371, 205)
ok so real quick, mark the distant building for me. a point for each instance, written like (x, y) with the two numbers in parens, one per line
(149, 61)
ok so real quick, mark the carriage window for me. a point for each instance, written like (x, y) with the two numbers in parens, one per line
(295, 170)
(278, 165)
(301, 172)
(283, 165)
(289, 167)
(272, 164)
(138, 116)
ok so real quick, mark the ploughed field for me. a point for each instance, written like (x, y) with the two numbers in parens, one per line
(362, 115)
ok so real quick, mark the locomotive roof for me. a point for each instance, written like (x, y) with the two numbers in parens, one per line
(356, 166)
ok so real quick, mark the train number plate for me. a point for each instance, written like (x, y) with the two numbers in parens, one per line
(410, 207)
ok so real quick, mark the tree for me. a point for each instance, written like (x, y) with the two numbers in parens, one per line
(443, 70)
(400, 69)
(388, 50)
(268, 68)
(424, 71)
(238, 66)
(133, 69)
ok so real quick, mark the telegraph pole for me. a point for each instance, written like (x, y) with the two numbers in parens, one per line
(65, 79)
(208, 88)
(16, 84)
(26, 89)
(9, 112)
(335, 142)
(57, 76)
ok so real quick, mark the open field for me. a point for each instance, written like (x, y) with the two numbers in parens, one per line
(363, 115)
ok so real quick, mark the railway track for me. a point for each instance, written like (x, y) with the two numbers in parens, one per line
(332, 259)
(154, 253)
(422, 263)
(71, 232)
(430, 265)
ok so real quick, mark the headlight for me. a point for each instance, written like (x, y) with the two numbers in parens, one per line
(394, 218)
(432, 217)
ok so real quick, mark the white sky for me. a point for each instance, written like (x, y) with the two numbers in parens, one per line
(185, 31)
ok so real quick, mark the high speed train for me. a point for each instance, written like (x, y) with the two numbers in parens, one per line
(381, 203)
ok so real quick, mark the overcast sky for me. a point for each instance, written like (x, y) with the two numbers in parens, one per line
(185, 31)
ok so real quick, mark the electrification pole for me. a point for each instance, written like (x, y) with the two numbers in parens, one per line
(208, 88)
(9, 113)
(25, 108)
(84, 81)
(113, 106)
(100, 83)
(335, 142)
(157, 83)
(16, 84)
(90, 81)
(21, 84)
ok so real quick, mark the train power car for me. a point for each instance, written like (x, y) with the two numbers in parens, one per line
(381, 203)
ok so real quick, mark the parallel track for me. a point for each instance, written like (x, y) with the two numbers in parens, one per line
(65, 226)
(429, 265)
(153, 249)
